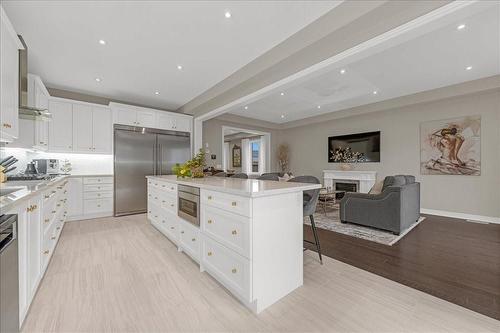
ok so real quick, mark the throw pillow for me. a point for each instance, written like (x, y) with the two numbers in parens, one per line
(377, 187)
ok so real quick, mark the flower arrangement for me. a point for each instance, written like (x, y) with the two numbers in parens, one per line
(282, 155)
(192, 168)
(346, 155)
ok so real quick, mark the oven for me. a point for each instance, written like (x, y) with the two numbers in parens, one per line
(188, 207)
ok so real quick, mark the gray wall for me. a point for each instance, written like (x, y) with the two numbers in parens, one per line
(400, 150)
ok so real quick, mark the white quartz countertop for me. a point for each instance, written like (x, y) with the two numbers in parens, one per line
(244, 187)
(23, 189)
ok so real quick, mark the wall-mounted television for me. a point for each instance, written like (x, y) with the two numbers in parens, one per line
(360, 147)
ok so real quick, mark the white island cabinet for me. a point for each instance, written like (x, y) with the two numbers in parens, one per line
(250, 234)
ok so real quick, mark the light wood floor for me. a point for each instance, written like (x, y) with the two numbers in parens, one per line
(121, 274)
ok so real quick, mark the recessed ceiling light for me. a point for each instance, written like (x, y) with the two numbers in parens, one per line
(468, 68)
(179, 67)
(227, 14)
(98, 79)
(282, 94)
(342, 71)
(375, 92)
(157, 92)
(319, 106)
(461, 26)
(102, 42)
(282, 116)
(246, 107)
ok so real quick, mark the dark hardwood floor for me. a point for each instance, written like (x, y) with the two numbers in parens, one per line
(449, 258)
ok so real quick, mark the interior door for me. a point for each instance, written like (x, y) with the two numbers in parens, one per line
(171, 150)
(134, 154)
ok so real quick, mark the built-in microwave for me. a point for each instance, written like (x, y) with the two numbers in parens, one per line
(188, 207)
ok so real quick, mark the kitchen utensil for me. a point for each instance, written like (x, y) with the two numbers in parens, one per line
(9, 169)
(31, 169)
(10, 162)
(6, 160)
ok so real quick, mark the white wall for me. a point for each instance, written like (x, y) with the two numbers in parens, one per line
(82, 164)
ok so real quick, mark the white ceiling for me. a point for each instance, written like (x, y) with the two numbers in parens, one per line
(146, 40)
(426, 57)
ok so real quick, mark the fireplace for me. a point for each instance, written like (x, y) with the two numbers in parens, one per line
(348, 186)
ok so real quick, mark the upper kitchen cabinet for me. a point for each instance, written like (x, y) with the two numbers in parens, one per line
(102, 130)
(174, 122)
(133, 115)
(60, 127)
(82, 128)
(9, 81)
(38, 96)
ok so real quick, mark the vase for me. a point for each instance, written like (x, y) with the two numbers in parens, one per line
(346, 166)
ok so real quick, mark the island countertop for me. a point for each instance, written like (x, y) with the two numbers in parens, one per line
(245, 187)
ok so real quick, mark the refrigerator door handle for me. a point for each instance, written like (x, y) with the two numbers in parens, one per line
(159, 158)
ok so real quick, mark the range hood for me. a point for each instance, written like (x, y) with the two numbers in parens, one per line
(26, 111)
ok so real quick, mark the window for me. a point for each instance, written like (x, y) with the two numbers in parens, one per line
(255, 147)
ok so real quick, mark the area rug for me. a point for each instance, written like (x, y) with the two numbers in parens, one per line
(331, 221)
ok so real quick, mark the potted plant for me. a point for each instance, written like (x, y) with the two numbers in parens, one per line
(192, 168)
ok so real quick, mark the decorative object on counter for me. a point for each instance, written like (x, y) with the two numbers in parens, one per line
(283, 157)
(2, 174)
(66, 166)
(346, 157)
(236, 156)
(192, 168)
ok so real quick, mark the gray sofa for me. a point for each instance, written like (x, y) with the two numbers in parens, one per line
(395, 209)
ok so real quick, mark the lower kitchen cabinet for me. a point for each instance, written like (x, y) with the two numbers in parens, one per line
(40, 222)
(90, 197)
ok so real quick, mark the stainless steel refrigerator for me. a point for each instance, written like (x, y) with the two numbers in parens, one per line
(141, 152)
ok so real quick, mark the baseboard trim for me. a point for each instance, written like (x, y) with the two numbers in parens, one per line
(481, 218)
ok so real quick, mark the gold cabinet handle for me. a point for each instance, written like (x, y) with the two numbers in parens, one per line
(163, 186)
(172, 188)
(209, 197)
(58, 205)
(163, 201)
(193, 239)
(234, 232)
(46, 252)
(100, 206)
(209, 253)
(53, 212)
(46, 196)
(58, 228)
(174, 228)
(171, 205)
(7, 125)
(209, 221)
(233, 203)
(234, 270)
(46, 220)
(28, 209)
(182, 231)
(156, 198)
(53, 237)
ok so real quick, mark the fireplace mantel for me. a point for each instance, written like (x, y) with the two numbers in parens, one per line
(366, 179)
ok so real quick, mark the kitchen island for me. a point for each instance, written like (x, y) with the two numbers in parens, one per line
(246, 233)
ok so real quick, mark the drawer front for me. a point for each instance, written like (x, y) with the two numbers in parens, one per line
(49, 194)
(165, 187)
(94, 206)
(98, 188)
(231, 203)
(154, 213)
(170, 225)
(154, 196)
(169, 203)
(228, 267)
(231, 230)
(189, 239)
(97, 195)
(97, 180)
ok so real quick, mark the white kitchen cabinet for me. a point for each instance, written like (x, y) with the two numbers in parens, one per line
(173, 122)
(9, 80)
(40, 99)
(133, 116)
(61, 126)
(102, 130)
(75, 197)
(82, 128)
(34, 255)
(146, 119)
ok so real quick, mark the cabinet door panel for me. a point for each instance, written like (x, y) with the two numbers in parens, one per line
(165, 121)
(34, 247)
(146, 118)
(9, 60)
(60, 127)
(183, 124)
(127, 117)
(102, 130)
(82, 128)
(75, 197)
(41, 127)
